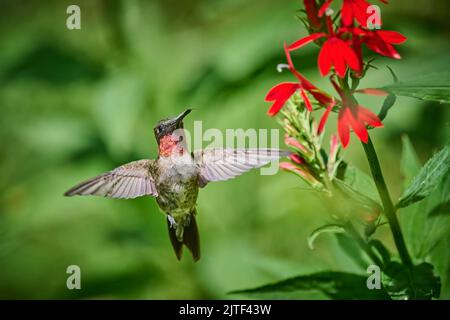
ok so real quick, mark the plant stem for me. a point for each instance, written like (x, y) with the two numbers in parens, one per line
(389, 209)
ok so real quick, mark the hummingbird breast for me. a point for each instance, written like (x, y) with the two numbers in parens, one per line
(176, 180)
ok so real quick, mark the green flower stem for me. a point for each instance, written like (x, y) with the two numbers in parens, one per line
(389, 209)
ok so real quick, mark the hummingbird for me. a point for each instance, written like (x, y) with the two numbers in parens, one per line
(175, 177)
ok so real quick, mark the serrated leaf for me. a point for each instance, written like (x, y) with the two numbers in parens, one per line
(418, 283)
(431, 87)
(426, 222)
(427, 179)
(335, 285)
(329, 228)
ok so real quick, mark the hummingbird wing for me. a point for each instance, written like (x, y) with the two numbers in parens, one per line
(224, 164)
(128, 181)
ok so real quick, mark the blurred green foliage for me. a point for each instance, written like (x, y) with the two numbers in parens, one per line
(75, 103)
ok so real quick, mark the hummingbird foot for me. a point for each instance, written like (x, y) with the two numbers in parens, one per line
(172, 222)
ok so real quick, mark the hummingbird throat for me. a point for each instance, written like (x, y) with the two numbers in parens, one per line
(170, 145)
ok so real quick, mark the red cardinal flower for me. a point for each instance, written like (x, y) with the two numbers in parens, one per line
(351, 9)
(283, 91)
(351, 116)
(355, 117)
(334, 52)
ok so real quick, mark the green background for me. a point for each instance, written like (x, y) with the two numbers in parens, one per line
(75, 103)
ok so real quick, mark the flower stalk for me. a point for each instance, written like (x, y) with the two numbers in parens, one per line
(389, 208)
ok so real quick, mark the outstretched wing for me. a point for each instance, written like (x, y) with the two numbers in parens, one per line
(131, 180)
(224, 164)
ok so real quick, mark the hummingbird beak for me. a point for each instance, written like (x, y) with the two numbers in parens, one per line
(181, 116)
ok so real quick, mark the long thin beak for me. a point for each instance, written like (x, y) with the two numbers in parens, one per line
(181, 116)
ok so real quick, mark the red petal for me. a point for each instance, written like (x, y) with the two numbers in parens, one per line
(373, 91)
(343, 126)
(324, 118)
(357, 124)
(339, 57)
(288, 57)
(350, 56)
(359, 8)
(281, 90)
(369, 117)
(324, 8)
(392, 37)
(280, 93)
(326, 58)
(346, 13)
(306, 100)
(304, 41)
(383, 48)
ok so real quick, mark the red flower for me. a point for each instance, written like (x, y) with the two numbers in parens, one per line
(283, 91)
(334, 52)
(351, 9)
(280, 94)
(381, 41)
(351, 116)
(355, 117)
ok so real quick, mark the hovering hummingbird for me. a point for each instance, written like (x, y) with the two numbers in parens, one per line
(175, 177)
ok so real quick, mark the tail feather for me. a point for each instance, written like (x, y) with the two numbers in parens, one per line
(190, 239)
(177, 245)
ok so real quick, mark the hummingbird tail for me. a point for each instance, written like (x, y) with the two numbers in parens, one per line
(190, 238)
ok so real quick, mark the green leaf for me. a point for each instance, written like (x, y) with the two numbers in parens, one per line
(426, 222)
(359, 198)
(360, 182)
(387, 105)
(418, 283)
(440, 258)
(394, 76)
(410, 163)
(441, 209)
(329, 228)
(431, 87)
(428, 178)
(335, 285)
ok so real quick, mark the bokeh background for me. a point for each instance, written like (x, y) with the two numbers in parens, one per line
(75, 103)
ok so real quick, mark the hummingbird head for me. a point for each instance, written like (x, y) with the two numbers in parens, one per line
(170, 135)
(168, 126)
